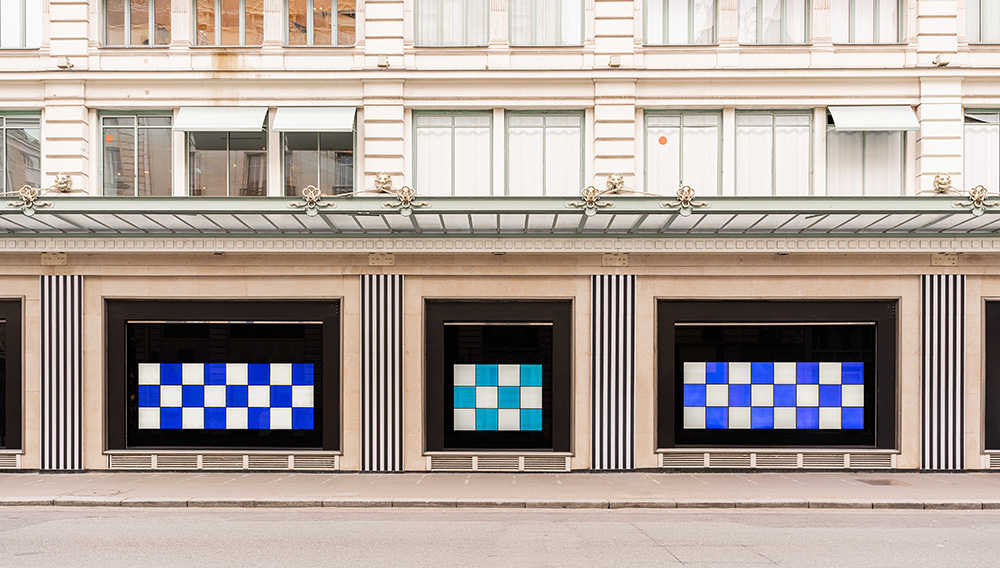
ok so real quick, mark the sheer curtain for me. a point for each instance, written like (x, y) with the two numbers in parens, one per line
(663, 154)
(754, 154)
(544, 155)
(433, 155)
(563, 145)
(546, 22)
(888, 21)
(452, 22)
(845, 163)
(982, 147)
(12, 19)
(701, 155)
(473, 160)
(525, 151)
(792, 151)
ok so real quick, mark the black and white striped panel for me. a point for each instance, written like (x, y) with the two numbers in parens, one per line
(62, 346)
(943, 371)
(613, 371)
(382, 372)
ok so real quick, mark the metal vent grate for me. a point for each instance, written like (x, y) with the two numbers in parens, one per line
(9, 461)
(543, 463)
(994, 461)
(216, 461)
(870, 461)
(316, 463)
(176, 462)
(682, 460)
(778, 460)
(824, 461)
(451, 463)
(498, 463)
(267, 462)
(130, 462)
(729, 460)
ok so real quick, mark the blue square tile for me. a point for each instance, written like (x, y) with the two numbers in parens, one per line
(281, 396)
(486, 375)
(149, 395)
(193, 395)
(694, 395)
(236, 395)
(531, 419)
(852, 418)
(852, 373)
(531, 376)
(302, 419)
(215, 418)
(807, 418)
(465, 397)
(717, 417)
(259, 418)
(739, 395)
(509, 397)
(807, 373)
(762, 418)
(762, 373)
(784, 395)
(259, 374)
(170, 418)
(829, 395)
(716, 373)
(302, 373)
(486, 419)
(215, 373)
(170, 373)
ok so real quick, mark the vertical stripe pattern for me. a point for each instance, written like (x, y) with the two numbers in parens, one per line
(62, 439)
(943, 371)
(613, 371)
(382, 372)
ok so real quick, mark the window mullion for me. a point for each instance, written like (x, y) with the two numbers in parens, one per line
(243, 22)
(310, 23)
(218, 22)
(127, 36)
(864, 163)
(851, 17)
(135, 158)
(454, 154)
(774, 154)
(152, 23)
(690, 22)
(760, 21)
(680, 152)
(228, 167)
(875, 21)
(544, 158)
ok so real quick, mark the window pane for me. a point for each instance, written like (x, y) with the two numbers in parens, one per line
(546, 16)
(677, 21)
(521, 19)
(753, 160)
(655, 15)
(434, 165)
(297, 22)
(844, 172)
(154, 161)
(163, 121)
(33, 23)
(972, 21)
(345, 22)
(207, 163)
(663, 162)
(797, 17)
(840, 24)
(336, 155)
(205, 19)
(10, 24)
(322, 22)
(524, 161)
(119, 121)
(114, 18)
(883, 163)
(230, 20)
(472, 120)
(24, 157)
(472, 161)
(864, 21)
(990, 21)
(748, 22)
(563, 167)
(572, 22)
(701, 160)
(982, 146)
(119, 161)
(301, 155)
(140, 22)
(888, 21)
(162, 21)
(704, 22)
(248, 159)
(453, 22)
(254, 22)
(791, 160)
(770, 22)
(525, 120)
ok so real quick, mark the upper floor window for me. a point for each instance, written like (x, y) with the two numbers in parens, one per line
(137, 155)
(20, 23)
(317, 145)
(453, 153)
(227, 150)
(229, 23)
(866, 21)
(133, 23)
(982, 149)
(983, 21)
(774, 21)
(546, 22)
(321, 22)
(682, 148)
(773, 153)
(680, 22)
(21, 151)
(544, 153)
(864, 149)
(452, 22)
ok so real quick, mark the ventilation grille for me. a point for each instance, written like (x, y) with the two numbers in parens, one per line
(451, 463)
(175, 462)
(268, 462)
(9, 461)
(130, 461)
(783, 460)
(682, 460)
(824, 461)
(499, 463)
(729, 460)
(316, 463)
(213, 461)
(225, 462)
(870, 461)
(994, 461)
(777, 460)
(546, 463)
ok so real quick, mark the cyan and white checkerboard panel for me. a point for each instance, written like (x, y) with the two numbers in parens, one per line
(498, 397)
(794, 396)
(226, 396)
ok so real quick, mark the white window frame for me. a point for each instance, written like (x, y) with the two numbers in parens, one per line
(758, 29)
(218, 25)
(713, 40)
(682, 114)
(135, 127)
(420, 39)
(4, 127)
(23, 6)
(876, 7)
(310, 30)
(128, 25)
(453, 127)
(564, 4)
(544, 127)
(774, 114)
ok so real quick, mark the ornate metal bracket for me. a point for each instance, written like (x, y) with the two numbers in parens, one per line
(592, 196)
(404, 195)
(685, 200)
(312, 201)
(977, 200)
(29, 200)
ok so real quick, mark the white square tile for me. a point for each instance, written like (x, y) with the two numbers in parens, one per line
(829, 418)
(236, 418)
(761, 395)
(281, 418)
(302, 396)
(281, 374)
(694, 373)
(193, 418)
(694, 418)
(509, 419)
(259, 396)
(784, 418)
(739, 417)
(716, 395)
(784, 373)
(465, 375)
(465, 419)
(509, 376)
(531, 397)
(829, 373)
(739, 373)
(236, 373)
(149, 418)
(807, 395)
(192, 374)
(170, 395)
(215, 396)
(852, 395)
(149, 373)
(486, 397)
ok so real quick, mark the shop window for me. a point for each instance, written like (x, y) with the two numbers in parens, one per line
(792, 374)
(10, 374)
(982, 21)
(317, 148)
(498, 376)
(229, 23)
(321, 22)
(544, 153)
(683, 148)
(442, 23)
(137, 155)
(453, 153)
(20, 24)
(21, 153)
(772, 22)
(680, 22)
(773, 153)
(545, 22)
(866, 21)
(136, 23)
(223, 374)
(982, 149)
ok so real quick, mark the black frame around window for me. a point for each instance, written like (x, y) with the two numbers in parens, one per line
(880, 401)
(10, 401)
(991, 398)
(324, 347)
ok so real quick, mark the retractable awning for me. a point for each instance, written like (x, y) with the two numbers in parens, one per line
(874, 118)
(221, 119)
(314, 119)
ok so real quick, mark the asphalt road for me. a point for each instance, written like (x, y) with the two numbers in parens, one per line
(467, 537)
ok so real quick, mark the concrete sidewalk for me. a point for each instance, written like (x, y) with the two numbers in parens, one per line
(497, 490)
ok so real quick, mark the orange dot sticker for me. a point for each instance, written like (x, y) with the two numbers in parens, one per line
(663, 140)
(109, 139)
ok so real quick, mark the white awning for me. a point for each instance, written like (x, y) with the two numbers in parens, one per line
(874, 118)
(221, 119)
(314, 119)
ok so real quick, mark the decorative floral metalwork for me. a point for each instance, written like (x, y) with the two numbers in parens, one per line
(592, 196)
(29, 200)
(977, 200)
(312, 201)
(685, 200)
(404, 195)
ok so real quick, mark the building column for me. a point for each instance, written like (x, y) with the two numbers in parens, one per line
(613, 371)
(942, 335)
(384, 132)
(381, 372)
(61, 349)
(614, 33)
(66, 135)
(941, 137)
(614, 132)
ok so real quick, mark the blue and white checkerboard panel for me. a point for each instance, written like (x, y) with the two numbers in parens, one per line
(773, 396)
(226, 396)
(498, 397)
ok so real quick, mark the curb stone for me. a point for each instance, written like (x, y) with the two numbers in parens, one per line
(430, 503)
(491, 503)
(213, 502)
(841, 505)
(580, 504)
(268, 503)
(358, 502)
(158, 503)
(773, 504)
(642, 504)
(707, 504)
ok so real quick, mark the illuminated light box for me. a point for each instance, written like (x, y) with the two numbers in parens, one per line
(498, 397)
